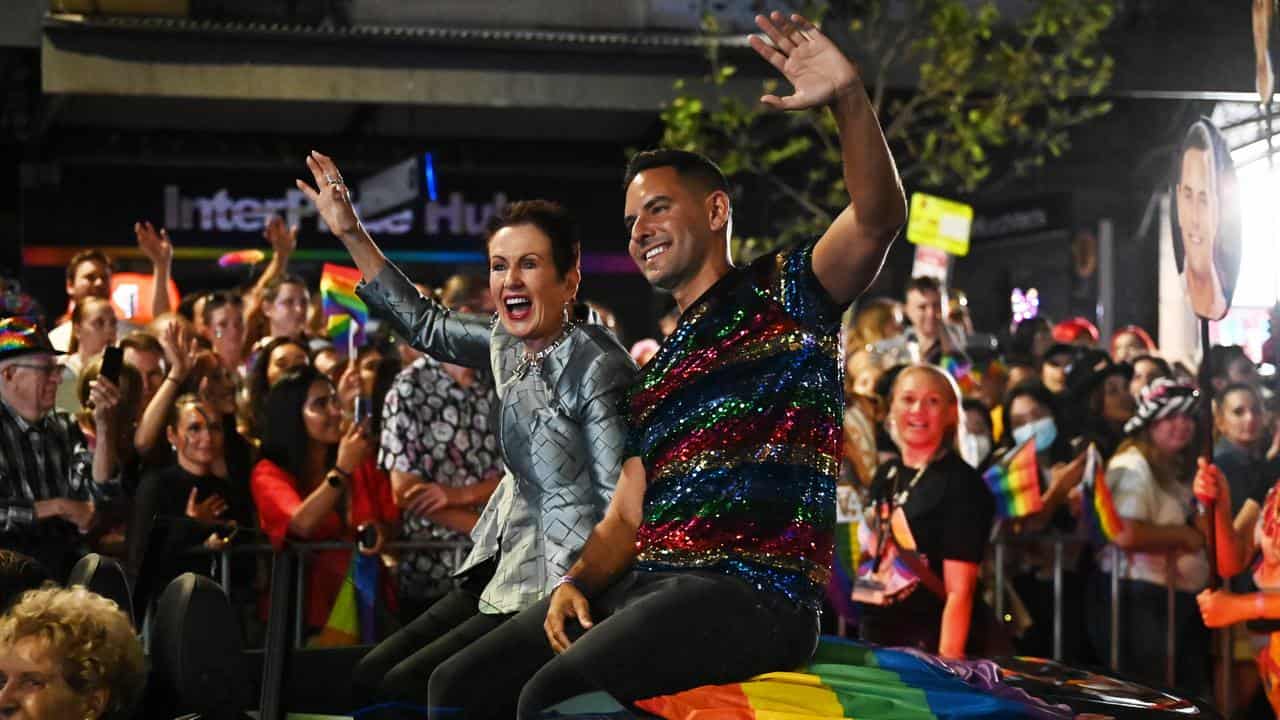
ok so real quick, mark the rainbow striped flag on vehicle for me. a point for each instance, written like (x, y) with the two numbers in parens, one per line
(1015, 482)
(846, 679)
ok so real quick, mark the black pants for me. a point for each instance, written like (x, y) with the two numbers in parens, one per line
(399, 667)
(1143, 618)
(654, 633)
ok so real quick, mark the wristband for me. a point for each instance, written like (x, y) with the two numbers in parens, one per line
(568, 580)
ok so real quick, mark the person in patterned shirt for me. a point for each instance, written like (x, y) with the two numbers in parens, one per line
(711, 560)
(436, 432)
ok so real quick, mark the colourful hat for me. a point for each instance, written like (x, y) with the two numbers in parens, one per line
(1161, 399)
(21, 336)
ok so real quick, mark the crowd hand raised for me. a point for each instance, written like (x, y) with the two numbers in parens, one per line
(567, 601)
(330, 195)
(104, 396)
(424, 498)
(354, 448)
(206, 511)
(282, 238)
(1220, 608)
(155, 245)
(180, 350)
(817, 70)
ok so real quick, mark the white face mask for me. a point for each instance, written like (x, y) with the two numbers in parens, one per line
(1044, 430)
(974, 448)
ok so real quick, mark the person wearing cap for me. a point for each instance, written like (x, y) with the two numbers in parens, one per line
(1076, 331)
(1150, 482)
(1053, 366)
(49, 478)
(1097, 400)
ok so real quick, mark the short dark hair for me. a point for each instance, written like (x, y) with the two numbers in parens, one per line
(142, 341)
(272, 289)
(690, 166)
(551, 219)
(284, 433)
(85, 256)
(923, 284)
(1033, 389)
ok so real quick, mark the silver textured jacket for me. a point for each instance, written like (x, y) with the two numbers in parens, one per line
(560, 430)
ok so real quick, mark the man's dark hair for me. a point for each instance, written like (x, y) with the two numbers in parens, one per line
(142, 341)
(272, 289)
(85, 256)
(551, 219)
(690, 166)
(923, 284)
(18, 574)
(284, 432)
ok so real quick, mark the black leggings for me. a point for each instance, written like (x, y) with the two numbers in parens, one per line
(399, 667)
(654, 633)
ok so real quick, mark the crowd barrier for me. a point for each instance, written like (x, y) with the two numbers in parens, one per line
(1059, 543)
(299, 551)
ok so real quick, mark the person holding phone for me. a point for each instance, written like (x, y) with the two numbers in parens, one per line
(315, 481)
(46, 514)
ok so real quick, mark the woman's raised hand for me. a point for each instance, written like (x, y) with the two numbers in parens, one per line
(330, 194)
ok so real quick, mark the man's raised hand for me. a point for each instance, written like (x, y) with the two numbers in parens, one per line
(154, 244)
(817, 69)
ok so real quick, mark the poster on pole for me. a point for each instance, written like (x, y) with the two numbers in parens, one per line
(1206, 220)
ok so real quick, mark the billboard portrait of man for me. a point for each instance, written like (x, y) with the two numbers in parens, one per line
(1206, 220)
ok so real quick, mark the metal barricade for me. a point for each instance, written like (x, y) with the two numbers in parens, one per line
(1116, 556)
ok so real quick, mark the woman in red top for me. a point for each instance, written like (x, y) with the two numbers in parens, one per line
(316, 483)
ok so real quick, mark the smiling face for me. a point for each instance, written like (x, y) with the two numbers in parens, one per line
(1198, 209)
(924, 310)
(97, 327)
(672, 227)
(285, 357)
(197, 437)
(90, 279)
(923, 410)
(322, 414)
(530, 294)
(287, 313)
(29, 384)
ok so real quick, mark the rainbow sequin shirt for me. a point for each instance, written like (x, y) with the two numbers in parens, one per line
(737, 419)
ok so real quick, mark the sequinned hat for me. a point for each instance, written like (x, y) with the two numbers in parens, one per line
(21, 336)
(1161, 399)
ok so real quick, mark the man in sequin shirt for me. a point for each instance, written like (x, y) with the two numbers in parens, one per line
(710, 562)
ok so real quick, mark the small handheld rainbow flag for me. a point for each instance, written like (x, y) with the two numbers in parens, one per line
(340, 304)
(242, 257)
(1015, 482)
(1104, 522)
(352, 618)
(963, 372)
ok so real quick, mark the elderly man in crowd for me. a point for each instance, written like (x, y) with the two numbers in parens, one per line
(49, 477)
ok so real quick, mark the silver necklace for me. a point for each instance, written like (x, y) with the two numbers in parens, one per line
(532, 360)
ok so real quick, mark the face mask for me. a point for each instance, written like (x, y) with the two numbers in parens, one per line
(1044, 430)
(974, 448)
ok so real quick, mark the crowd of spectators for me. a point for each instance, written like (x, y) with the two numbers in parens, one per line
(236, 419)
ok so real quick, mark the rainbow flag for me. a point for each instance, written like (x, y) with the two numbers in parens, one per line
(1015, 482)
(1104, 522)
(338, 300)
(352, 620)
(846, 679)
(963, 372)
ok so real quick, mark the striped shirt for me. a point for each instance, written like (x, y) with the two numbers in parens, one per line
(737, 419)
(43, 460)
